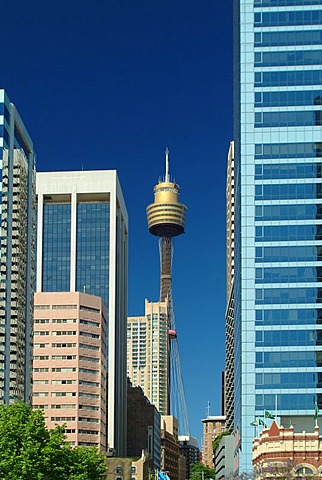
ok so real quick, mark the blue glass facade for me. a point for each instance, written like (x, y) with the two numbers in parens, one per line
(278, 213)
(92, 249)
(56, 247)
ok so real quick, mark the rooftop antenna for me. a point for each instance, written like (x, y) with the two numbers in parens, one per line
(167, 176)
(208, 409)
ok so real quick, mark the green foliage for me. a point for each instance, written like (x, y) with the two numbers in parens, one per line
(29, 451)
(218, 438)
(199, 471)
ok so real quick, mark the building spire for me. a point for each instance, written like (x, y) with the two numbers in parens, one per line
(167, 175)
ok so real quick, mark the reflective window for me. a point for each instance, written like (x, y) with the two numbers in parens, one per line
(288, 119)
(288, 274)
(296, 253)
(92, 254)
(56, 247)
(288, 359)
(288, 212)
(288, 78)
(281, 3)
(288, 232)
(271, 296)
(288, 338)
(288, 98)
(297, 37)
(287, 150)
(288, 380)
(288, 171)
(288, 401)
(289, 17)
(283, 316)
(288, 191)
(289, 57)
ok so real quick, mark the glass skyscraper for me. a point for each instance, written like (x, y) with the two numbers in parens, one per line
(278, 214)
(17, 203)
(82, 244)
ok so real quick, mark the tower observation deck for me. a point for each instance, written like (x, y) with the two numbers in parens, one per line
(166, 219)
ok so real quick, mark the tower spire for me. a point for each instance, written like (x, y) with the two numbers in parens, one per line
(167, 175)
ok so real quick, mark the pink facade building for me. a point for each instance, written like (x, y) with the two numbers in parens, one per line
(69, 364)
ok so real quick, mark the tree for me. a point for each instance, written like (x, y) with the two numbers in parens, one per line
(29, 451)
(199, 471)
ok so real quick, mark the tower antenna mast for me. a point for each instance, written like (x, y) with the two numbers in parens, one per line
(167, 175)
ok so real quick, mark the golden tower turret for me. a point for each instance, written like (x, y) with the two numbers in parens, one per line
(166, 219)
(166, 215)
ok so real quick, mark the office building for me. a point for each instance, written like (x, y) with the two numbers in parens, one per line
(228, 380)
(278, 212)
(69, 365)
(190, 450)
(213, 425)
(17, 212)
(280, 452)
(224, 458)
(148, 359)
(143, 427)
(170, 450)
(82, 247)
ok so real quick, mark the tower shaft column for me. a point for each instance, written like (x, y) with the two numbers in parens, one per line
(165, 247)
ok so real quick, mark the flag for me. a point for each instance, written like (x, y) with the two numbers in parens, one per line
(268, 415)
(316, 411)
(260, 422)
(254, 423)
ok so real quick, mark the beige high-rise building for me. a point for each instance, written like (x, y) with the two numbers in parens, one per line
(212, 427)
(69, 364)
(148, 353)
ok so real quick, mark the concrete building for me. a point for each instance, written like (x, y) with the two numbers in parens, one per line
(190, 450)
(143, 427)
(148, 353)
(228, 382)
(212, 427)
(69, 366)
(17, 213)
(170, 450)
(277, 216)
(82, 246)
(281, 452)
(224, 458)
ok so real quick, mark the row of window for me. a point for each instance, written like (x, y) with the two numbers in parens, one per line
(288, 275)
(288, 78)
(288, 191)
(296, 253)
(281, 338)
(287, 171)
(66, 382)
(289, 380)
(283, 3)
(288, 98)
(65, 345)
(288, 233)
(288, 38)
(288, 119)
(288, 401)
(291, 316)
(287, 150)
(287, 18)
(289, 212)
(287, 58)
(277, 296)
(288, 359)
(66, 394)
(66, 357)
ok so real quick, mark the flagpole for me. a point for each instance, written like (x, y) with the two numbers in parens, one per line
(275, 406)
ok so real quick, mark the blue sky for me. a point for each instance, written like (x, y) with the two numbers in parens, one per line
(107, 84)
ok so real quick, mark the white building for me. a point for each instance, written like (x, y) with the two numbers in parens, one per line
(82, 245)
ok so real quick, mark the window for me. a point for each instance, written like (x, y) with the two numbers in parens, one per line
(119, 469)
